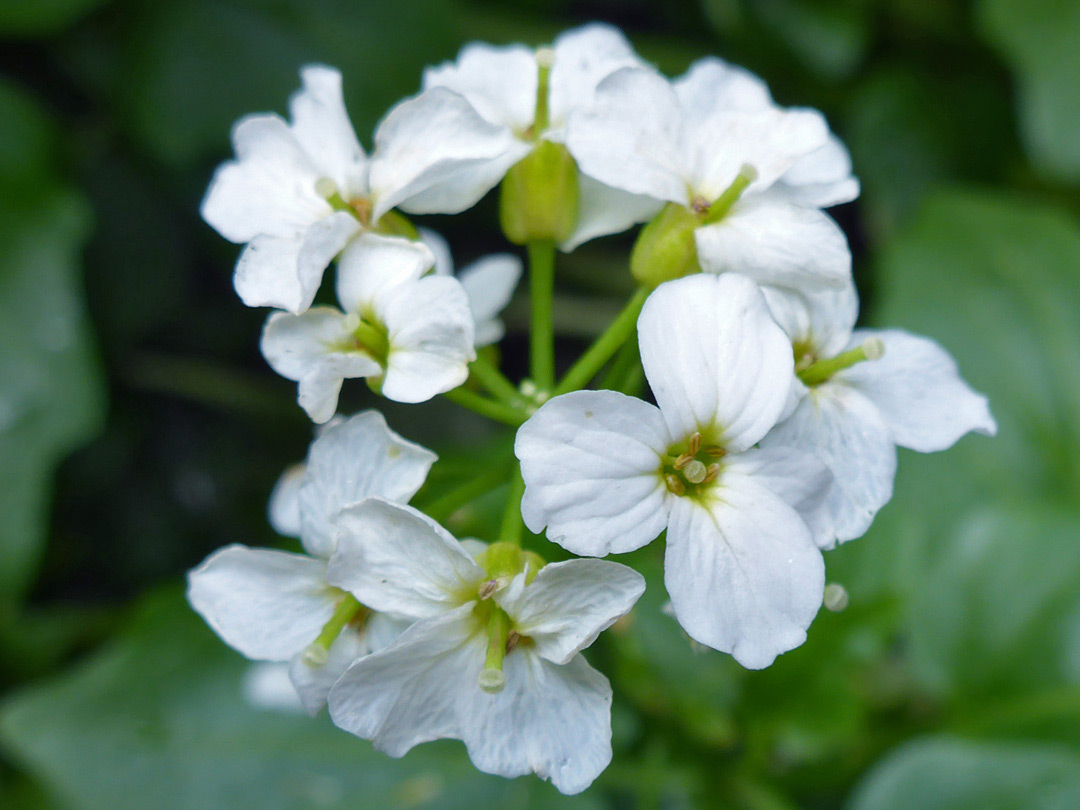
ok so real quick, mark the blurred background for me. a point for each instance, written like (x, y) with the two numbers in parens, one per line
(140, 429)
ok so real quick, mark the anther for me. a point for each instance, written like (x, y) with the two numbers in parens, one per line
(695, 472)
(715, 451)
(694, 444)
(683, 460)
(674, 485)
(512, 639)
(711, 472)
(487, 589)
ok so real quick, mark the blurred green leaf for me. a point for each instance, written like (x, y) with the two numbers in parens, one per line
(994, 279)
(51, 398)
(1038, 38)
(828, 38)
(37, 17)
(157, 720)
(186, 80)
(950, 774)
(999, 613)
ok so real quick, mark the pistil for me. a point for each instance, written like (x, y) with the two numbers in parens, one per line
(871, 349)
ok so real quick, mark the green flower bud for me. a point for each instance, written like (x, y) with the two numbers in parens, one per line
(539, 196)
(665, 249)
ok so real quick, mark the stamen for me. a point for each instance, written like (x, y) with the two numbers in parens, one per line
(512, 641)
(674, 485)
(683, 460)
(487, 589)
(715, 451)
(694, 444)
(711, 472)
(695, 472)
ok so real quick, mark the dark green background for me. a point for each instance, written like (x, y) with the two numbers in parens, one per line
(140, 429)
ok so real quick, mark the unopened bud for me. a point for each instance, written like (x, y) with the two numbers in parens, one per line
(538, 198)
(665, 249)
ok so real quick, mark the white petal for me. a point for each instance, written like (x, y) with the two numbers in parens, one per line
(412, 691)
(499, 82)
(489, 284)
(434, 154)
(285, 272)
(822, 320)
(284, 507)
(591, 464)
(822, 178)
(551, 720)
(918, 389)
(801, 480)
(444, 261)
(842, 428)
(632, 139)
(266, 604)
(372, 264)
(397, 560)
(777, 243)
(569, 604)
(770, 140)
(269, 189)
(321, 126)
(584, 57)
(715, 359)
(319, 388)
(313, 684)
(604, 210)
(431, 333)
(711, 84)
(350, 461)
(743, 573)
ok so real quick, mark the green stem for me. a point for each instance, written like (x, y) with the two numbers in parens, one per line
(490, 408)
(495, 382)
(512, 525)
(620, 330)
(541, 293)
(445, 505)
(620, 367)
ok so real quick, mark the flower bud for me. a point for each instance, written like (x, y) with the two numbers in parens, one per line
(538, 198)
(665, 249)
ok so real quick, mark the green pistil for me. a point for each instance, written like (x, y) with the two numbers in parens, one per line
(372, 338)
(542, 118)
(348, 609)
(822, 370)
(720, 207)
(498, 630)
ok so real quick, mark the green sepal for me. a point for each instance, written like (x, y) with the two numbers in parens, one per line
(539, 197)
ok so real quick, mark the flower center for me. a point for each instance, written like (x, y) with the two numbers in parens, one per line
(372, 338)
(391, 223)
(690, 468)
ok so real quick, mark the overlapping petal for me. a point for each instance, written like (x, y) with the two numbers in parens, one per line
(489, 284)
(591, 464)
(373, 264)
(499, 81)
(715, 359)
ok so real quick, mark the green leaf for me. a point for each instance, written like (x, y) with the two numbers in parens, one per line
(1038, 39)
(157, 720)
(994, 279)
(951, 774)
(51, 399)
(42, 16)
(828, 38)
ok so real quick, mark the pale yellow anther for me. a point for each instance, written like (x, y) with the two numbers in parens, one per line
(674, 485)
(487, 589)
(683, 460)
(715, 451)
(512, 639)
(694, 444)
(695, 472)
(711, 472)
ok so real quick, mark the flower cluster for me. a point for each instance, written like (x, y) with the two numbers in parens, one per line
(772, 438)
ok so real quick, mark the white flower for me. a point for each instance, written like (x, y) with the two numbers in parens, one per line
(298, 192)
(489, 283)
(493, 658)
(608, 473)
(861, 393)
(502, 83)
(753, 175)
(410, 333)
(277, 606)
